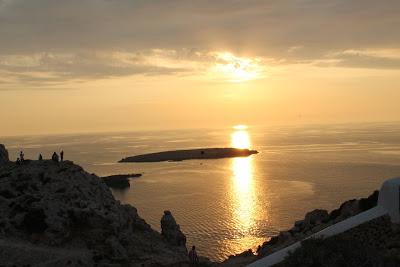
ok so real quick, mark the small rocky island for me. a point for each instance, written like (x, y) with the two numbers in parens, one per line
(198, 153)
(119, 181)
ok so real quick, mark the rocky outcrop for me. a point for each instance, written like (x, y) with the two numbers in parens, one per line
(46, 204)
(241, 259)
(314, 221)
(353, 207)
(171, 231)
(374, 243)
(119, 181)
(3, 155)
(317, 220)
(315, 217)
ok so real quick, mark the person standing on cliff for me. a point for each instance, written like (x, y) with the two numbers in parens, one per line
(193, 258)
(54, 157)
(21, 156)
(62, 155)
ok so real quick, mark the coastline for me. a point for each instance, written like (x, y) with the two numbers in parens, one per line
(374, 242)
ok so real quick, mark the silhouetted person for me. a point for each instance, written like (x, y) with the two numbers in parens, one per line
(193, 258)
(62, 155)
(40, 157)
(21, 156)
(54, 157)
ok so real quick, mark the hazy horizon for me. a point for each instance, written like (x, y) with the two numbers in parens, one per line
(99, 66)
(351, 125)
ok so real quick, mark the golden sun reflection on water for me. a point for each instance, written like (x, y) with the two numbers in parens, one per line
(243, 193)
(244, 208)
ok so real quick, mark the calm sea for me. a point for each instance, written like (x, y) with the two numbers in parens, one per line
(226, 206)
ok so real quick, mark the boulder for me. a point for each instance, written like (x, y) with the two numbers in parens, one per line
(3, 155)
(369, 202)
(315, 217)
(171, 231)
(298, 226)
(299, 223)
(350, 208)
(347, 209)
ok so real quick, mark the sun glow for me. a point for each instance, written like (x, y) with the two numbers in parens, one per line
(240, 127)
(238, 69)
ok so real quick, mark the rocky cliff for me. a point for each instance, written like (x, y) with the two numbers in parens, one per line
(57, 214)
(314, 221)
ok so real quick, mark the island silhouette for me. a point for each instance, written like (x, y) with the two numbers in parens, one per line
(187, 154)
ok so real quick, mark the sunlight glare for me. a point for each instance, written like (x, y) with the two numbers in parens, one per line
(240, 139)
(238, 69)
(240, 127)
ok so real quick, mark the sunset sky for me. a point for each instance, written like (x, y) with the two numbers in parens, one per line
(100, 65)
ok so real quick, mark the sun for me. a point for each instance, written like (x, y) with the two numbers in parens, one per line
(238, 69)
(240, 139)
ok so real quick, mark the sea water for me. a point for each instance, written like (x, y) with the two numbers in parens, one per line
(226, 206)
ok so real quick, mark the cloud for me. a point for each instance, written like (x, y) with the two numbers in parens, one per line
(371, 62)
(53, 69)
(264, 27)
(367, 58)
(90, 39)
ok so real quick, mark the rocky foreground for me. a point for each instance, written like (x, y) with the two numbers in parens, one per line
(56, 214)
(375, 243)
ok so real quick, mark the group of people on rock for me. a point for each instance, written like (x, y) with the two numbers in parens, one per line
(54, 157)
(21, 158)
